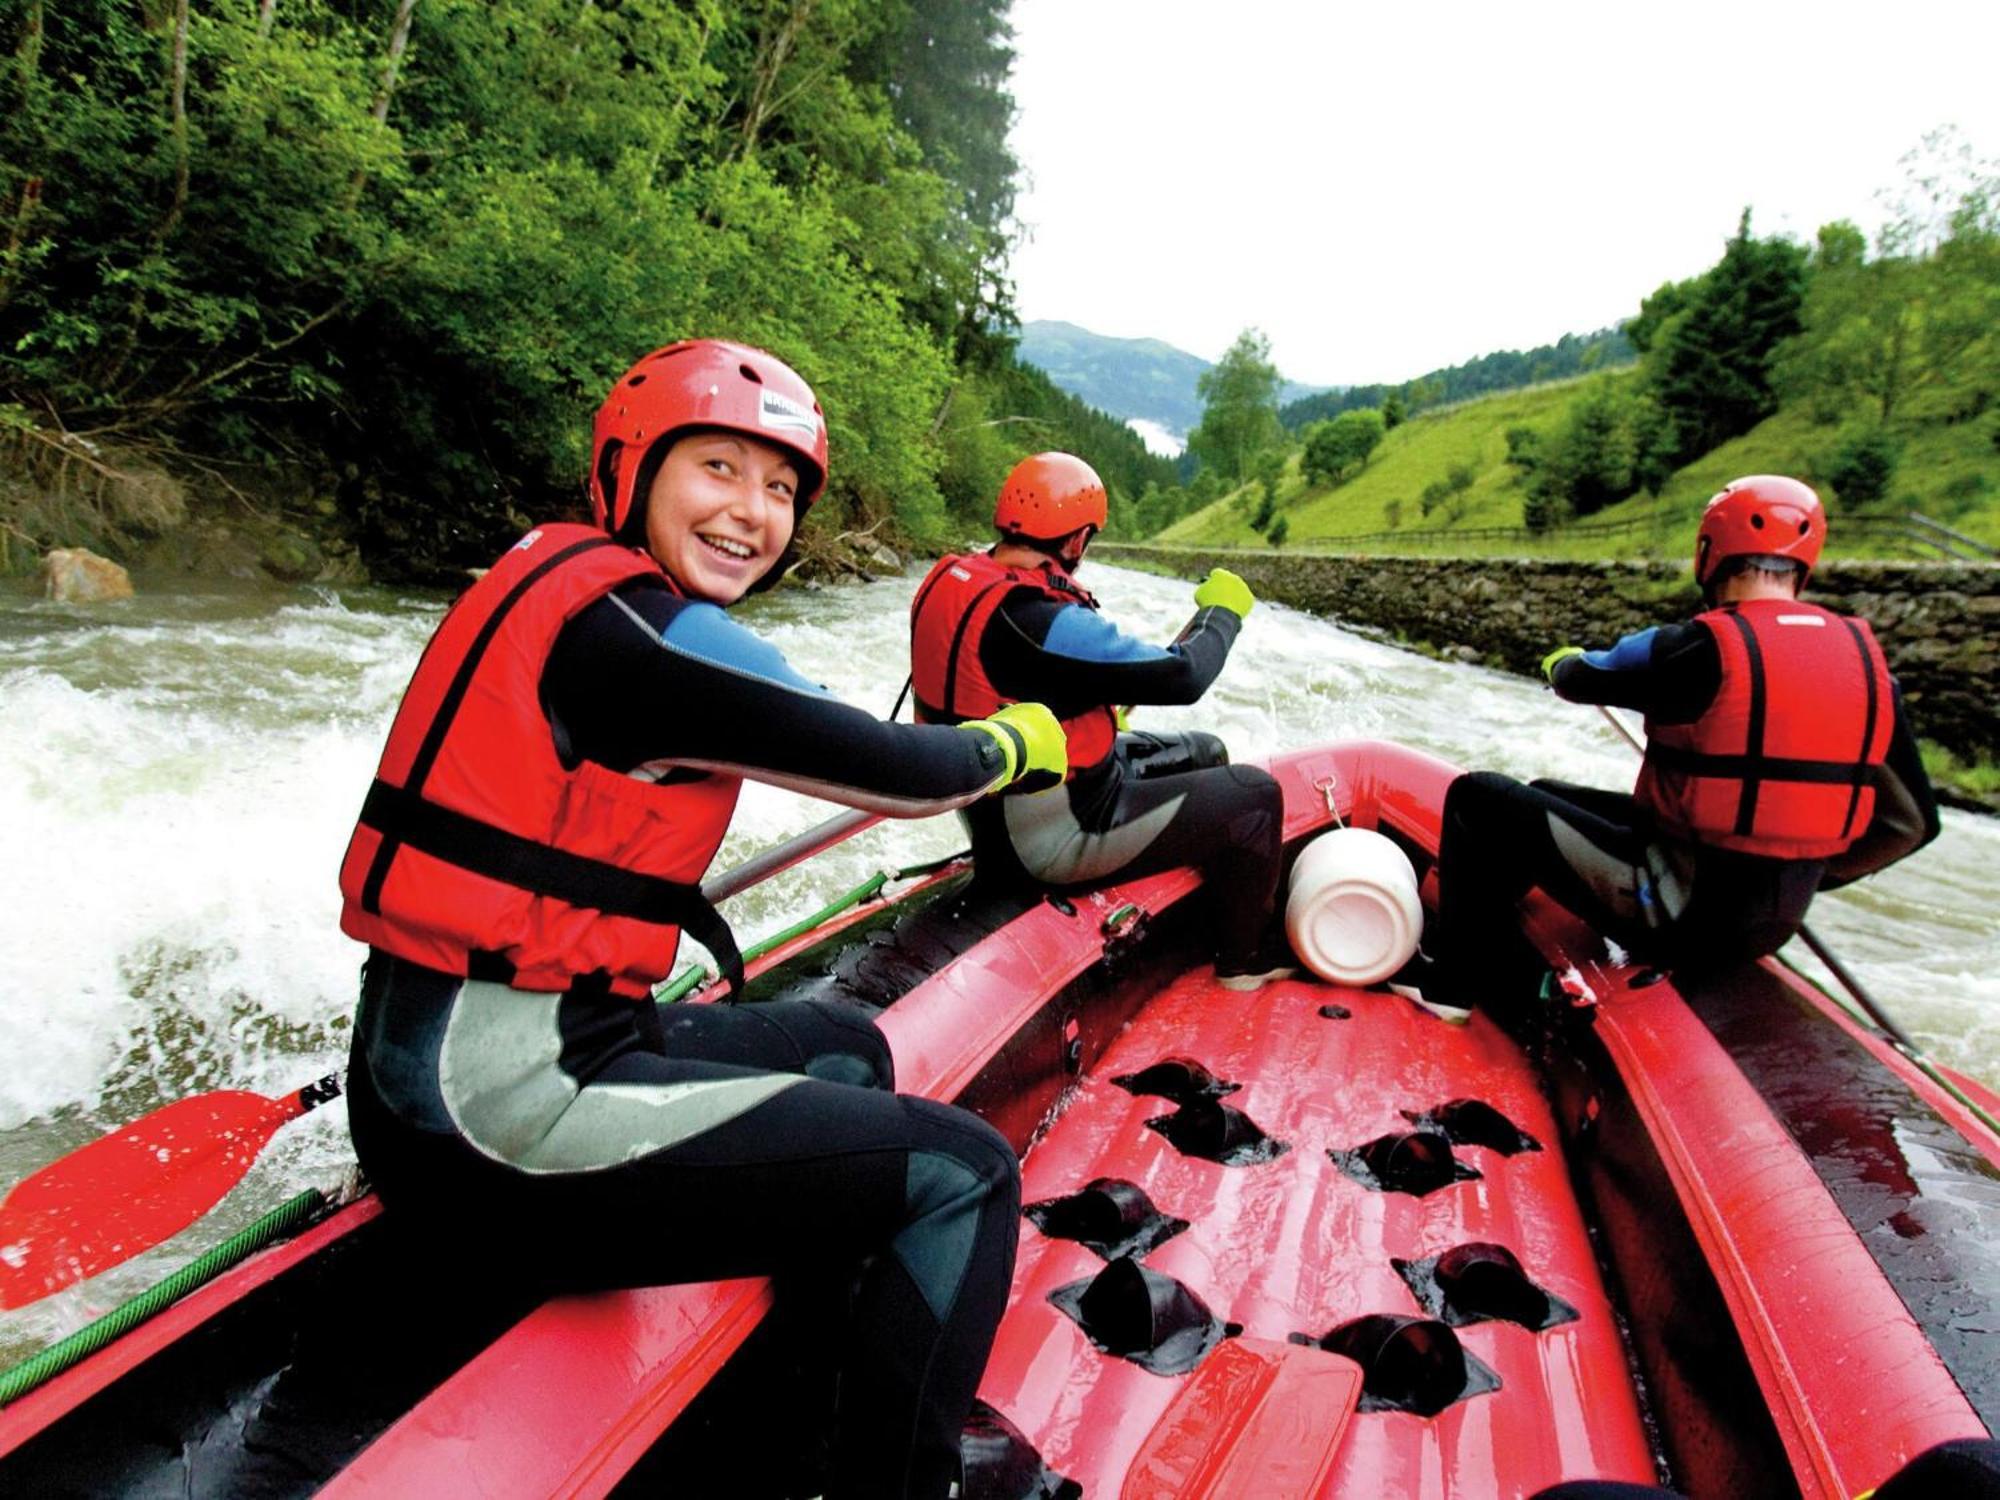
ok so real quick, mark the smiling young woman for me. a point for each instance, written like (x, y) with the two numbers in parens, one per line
(559, 775)
(720, 512)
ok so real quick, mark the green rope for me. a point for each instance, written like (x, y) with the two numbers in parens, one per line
(284, 1220)
(694, 976)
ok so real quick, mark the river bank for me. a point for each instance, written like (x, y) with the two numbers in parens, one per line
(170, 521)
(1939, 623)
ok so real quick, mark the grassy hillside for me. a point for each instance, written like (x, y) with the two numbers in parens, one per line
(1950, 472)
(1421, 450)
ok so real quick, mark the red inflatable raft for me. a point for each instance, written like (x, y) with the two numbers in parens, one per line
(1315, 1241)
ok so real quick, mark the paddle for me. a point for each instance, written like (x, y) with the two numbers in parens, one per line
(1825, 955)
(125, 1192)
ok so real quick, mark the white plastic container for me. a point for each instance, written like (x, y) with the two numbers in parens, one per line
(1353, 913)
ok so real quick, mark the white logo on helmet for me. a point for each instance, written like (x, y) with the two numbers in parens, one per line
(785, 414)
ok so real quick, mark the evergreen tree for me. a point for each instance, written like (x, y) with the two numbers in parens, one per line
(1709, 367)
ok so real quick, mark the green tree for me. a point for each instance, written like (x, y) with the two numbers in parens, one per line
(1267, 509)
(1594, 455)
(1862, 467)
(419, 238)
(1239, 417)
(1332, 448)
(1279, 531)
(1269, 472)
(1918, 316)
(1393, 411)
(1524, 448)
(1709, 364)
(1669, 301)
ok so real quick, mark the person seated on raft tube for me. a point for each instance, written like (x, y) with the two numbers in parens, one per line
(558, 777)
(1778, 763)
(992, 628)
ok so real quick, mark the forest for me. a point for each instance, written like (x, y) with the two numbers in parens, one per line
(375, 261)
(368, 265)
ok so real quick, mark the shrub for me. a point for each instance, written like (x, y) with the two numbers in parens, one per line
(1267, 507)
(1524, 448)
(1863, 465)
(1544, 509)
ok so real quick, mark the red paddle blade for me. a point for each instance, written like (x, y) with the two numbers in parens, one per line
(121, 1195)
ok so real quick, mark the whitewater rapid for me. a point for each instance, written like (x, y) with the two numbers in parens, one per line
(179, 774)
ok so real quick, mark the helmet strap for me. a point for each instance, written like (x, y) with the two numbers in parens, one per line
(1056, 547)
(633, 532)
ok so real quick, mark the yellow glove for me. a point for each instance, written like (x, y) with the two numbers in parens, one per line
(1032, 741)
(1224, 588)
(1122, 717)
(1559, 654)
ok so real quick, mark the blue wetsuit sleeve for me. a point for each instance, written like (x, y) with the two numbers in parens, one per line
(643, 681)
(704, 633)
(1632, 653)
(1072, 658)
(1085, 635)
(1668, 672)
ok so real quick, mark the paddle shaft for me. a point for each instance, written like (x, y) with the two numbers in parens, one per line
(803, 846)
(1820, 950)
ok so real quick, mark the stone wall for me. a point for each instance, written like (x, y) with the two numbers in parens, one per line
(1938, 622)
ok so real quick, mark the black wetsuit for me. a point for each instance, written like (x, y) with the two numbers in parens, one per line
(590, 1141)
(1599, 853)
(1158, 801)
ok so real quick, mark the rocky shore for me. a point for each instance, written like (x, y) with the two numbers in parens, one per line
(1939, 622)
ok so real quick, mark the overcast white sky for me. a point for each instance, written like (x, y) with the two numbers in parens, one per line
(1386, 188)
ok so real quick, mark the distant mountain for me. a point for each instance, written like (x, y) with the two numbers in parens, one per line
(1140, 380)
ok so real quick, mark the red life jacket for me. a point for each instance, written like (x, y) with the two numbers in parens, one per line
(1779, 762)
(947, 619)
(480, 853)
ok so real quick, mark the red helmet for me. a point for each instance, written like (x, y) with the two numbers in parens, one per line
(700, 383)
(1049, 495)
(1763, 515)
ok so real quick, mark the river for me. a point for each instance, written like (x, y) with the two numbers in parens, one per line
(179, 774)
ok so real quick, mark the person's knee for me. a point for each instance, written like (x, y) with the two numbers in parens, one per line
(1259, 822)
(1476, 798)
(948, 1131)
(962, 1204)
(1481, 787)
(861, 1057)
(1206, 750)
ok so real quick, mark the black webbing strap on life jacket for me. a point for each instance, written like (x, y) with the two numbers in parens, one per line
(403, 817)
(529, 865)
(1867, 727)
(1742, 767)
(448, 706)
(1753, 738)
